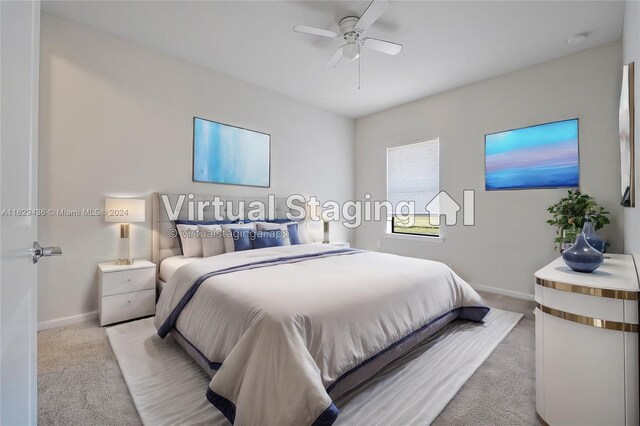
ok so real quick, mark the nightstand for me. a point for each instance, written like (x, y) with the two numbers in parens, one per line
(343, 244)
(587, 343)
(126, 292)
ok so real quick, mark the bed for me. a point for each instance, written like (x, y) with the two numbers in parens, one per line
(283, 331)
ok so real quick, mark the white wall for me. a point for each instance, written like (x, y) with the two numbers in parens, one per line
(116, 120)
(631, 53)
(511, 239)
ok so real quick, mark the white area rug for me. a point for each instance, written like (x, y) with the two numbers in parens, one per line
(168, 387)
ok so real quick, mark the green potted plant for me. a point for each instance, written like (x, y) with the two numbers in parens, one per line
(568, 216)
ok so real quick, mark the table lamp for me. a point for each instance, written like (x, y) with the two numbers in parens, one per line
(124, 211)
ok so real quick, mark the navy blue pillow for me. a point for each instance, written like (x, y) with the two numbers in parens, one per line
(270, 238)
(241, 239)
(294, 237)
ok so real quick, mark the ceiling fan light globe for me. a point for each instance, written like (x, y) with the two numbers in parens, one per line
(351, 51)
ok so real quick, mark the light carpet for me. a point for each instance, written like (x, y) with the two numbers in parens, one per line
(169, 388)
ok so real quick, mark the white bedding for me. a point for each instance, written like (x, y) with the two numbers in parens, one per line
(171, 264)
(286, 330)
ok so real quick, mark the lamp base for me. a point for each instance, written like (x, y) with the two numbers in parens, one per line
(325, 229)
(124, 253)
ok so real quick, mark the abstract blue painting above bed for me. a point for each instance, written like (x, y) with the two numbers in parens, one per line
(541, 156)
(230, 155)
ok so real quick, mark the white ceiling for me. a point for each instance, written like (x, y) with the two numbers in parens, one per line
(446, 44)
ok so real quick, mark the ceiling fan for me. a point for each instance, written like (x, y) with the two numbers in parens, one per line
(351, 30)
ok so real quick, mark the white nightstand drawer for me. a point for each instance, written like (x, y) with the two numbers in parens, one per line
(122, 307)
(128, 281)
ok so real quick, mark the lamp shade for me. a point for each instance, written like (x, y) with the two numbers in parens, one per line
(124, 210)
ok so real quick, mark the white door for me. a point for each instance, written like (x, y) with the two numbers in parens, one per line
(19, 51)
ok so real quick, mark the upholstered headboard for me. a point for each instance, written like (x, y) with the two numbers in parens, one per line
(165, 242)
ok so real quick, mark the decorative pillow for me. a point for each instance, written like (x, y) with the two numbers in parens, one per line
(294, 237)
(242, 239)
(282, 227)
(192, 227)
(190, 241)
(212, 241)
(227, 236)
(289, 231)
(263, 239)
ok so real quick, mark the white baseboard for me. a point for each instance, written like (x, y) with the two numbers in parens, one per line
(504, 292)
(61, 322)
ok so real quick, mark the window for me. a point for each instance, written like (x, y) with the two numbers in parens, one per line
(413, 176)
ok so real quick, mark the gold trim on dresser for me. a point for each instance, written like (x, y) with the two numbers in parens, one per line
(590, 291)
(593, 322)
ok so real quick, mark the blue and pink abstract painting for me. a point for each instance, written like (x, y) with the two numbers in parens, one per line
(230, 155)
(542, 156)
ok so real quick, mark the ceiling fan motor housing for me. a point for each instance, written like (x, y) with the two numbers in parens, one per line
(348, 29)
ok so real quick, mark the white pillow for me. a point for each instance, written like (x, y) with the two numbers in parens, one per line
(191, 242)
(229, 246)
(282, 227)
(303, 233)
(212, 241)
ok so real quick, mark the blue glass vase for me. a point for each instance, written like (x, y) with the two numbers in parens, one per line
(582, 257)
(592, 237)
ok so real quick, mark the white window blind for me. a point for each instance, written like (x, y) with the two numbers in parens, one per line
(413, 173)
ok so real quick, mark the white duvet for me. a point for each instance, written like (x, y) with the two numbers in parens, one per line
(286, 322)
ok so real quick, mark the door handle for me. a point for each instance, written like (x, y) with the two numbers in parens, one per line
(37, 252)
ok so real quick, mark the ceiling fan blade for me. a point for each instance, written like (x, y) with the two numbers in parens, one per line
(388, 47)
(333, 61)
(371, 15)
(315, 31)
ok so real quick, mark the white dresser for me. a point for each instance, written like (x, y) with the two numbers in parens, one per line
(587, 344)
(126, 292)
